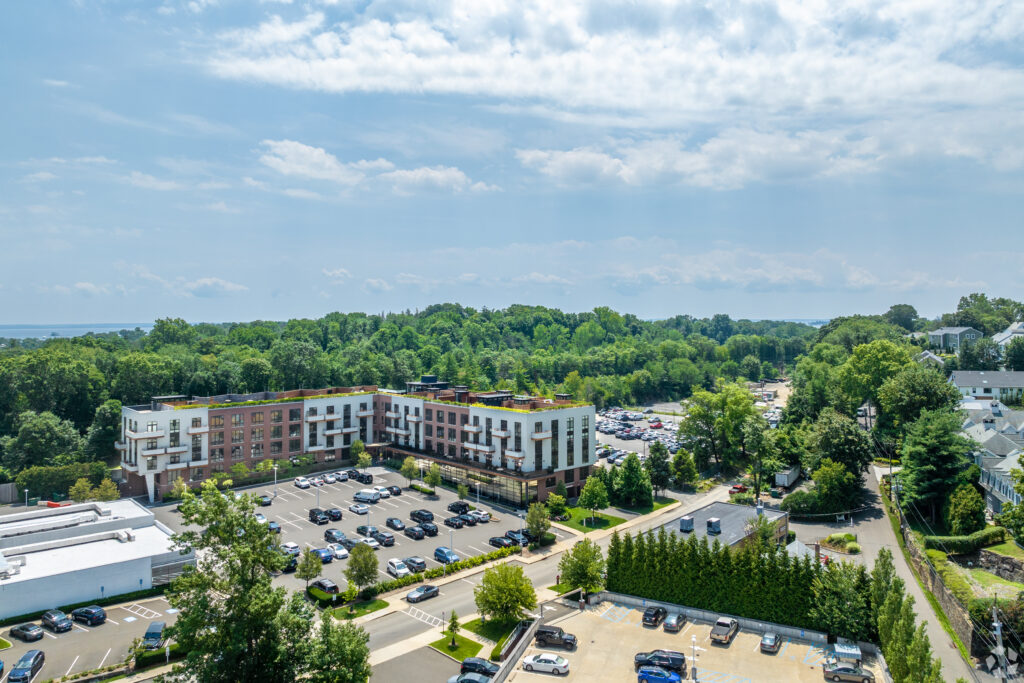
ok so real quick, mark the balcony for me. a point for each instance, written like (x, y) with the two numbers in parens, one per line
(179, 449)
(393, 414)
(314, 449)
(397, 431)
(412, 417)
(349, 430)
(153, 451)
(315, 418)
(144, 435)
(332, 432)
(515, 455)
(482, 448)
(501, 433)
(472, 429)
(120, 446)
(538, 436)
(201, 429)
(364, 413)
(177, 465)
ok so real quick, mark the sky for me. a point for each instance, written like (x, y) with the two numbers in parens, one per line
(223, 160)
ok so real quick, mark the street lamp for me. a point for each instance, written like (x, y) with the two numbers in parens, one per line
(478, 494)
(275, 480)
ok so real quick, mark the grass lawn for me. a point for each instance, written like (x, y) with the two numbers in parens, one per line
(360, 608)
(491, 630)
(4, 644)
(990, 582)
(659, 502)
(1008, 548)
(464, 647)
(581, 521)
(560, 588)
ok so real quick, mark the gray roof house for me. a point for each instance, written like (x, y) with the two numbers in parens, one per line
(1003, 385)
(952, 338)
(999, 437)
(1009, 334)
(929, 358)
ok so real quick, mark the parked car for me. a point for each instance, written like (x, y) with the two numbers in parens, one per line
(273, 527)
(397, 568)
(352, 473)
(481, 516)
(366, 530)
(339, 550)
(770, 642)
(415, 532)
(501, 542)
(27, 667)
(421, 516)
(370, 541)
(548, 663)
(330, 478)
(341, 476)
(291, 564)
(845, 671)
(266, 501)
(154, 637)
(394, 523)
(674, 622)
(261, 518)
(385, 538)
(724, 630)
(317, 481)
(394, 490)
(666, 659)
(290, 548)
(366, 496)
(382, 491)
(517, 537)
(56, 621)
(27, 632)
(93, 615)
(554, 635)
(653, 616)
(326, 555)
(655, 674)
(737, 488)
(359, 508)
(301, 482)
(334, 514)
(429, 528)
(421, 593)
(349, 543)
(318, 516)
(479, 665)
(468, 519)
(459, 507)
(445, 555)
(415, 563)
(327, 586)
(454, 522)
(334, 535)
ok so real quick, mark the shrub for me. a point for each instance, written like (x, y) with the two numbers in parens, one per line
(423, 489)
(952, 577)
(800, 502)
(157, 657)
(853, 548)
(790, 536)
(743, 499)
(959, 545)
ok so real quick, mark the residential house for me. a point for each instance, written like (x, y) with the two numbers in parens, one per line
(929, 358)
(1002, 385)
(1008, 335)
(952, 338)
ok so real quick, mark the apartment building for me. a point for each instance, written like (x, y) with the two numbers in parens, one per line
(514, 449)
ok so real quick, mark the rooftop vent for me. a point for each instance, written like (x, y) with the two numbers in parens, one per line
(686, 523)
(714, 525)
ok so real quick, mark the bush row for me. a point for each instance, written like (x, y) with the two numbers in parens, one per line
(959, 545)
(423, 489)
(157, 657)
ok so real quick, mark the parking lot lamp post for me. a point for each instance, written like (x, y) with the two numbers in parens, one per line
(693, 655)
(478, 494)
(318, 496)
(275, 480)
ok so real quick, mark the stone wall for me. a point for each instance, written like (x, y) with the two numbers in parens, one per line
(1008, 568)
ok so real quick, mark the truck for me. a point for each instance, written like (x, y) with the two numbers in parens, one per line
(724, 630)
(787, 477)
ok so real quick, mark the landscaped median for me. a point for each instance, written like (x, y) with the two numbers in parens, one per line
(586, 520)
(495, 631)
(464, 647)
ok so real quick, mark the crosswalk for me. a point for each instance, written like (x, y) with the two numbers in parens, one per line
(141, 612)
(420, 615)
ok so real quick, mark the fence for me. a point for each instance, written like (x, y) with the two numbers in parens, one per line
(9, 493)
(551, 610)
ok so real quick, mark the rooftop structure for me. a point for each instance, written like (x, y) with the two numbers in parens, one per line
(733, 525)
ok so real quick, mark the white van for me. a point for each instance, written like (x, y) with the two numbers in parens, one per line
(367, 496)
(397, 568)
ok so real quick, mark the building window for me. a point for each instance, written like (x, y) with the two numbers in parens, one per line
(256, 418)
(275, 448)
(428, 414)
(175, 460)
(256, 450)
(294, 445)
(256, 434)
(275, 432)
(451, 418)
(275, 415)
(440, 416)
(216, 455)
(570, 476)
(550, 482)
(330, 410)
(197, 447)
(294, 430)
(217, 438)
(217, 422)
(237, 420)
(150, 444)
(237, 435)
(451, 434)
(236, 452)
(294, 414)
(151, 427)
(518, 437)
(465, 419)
(197, 422)
(311, 411)
(330, 442)
(428, 430)
(538, 455)
(197, 474)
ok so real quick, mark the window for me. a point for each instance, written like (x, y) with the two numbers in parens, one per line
(275, 448)
(175, 425)
(465, 419)
(451, 418)
(294, 430)
(237, 420)
(311, 411)
(428, 414)
(151, 427)
(256, 434)
(150, 444)
(197, 422)
(256, 418)
(217, 438)
(294, 414)
(440, 416)
(550, 482)
(554, 444)
(275, 415)
(256, 450)
(330, 442)
(197, 447)
(451, 434)
(197, 474)
(294, 445)
(216, 455)
(570, 476)
(217, 421)
(237, 435)
(519, 437)
(275, 432)
(330, 410)
(538, 455)
(236, 452)
(428, 430)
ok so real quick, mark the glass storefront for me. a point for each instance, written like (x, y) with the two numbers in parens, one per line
(492, 485)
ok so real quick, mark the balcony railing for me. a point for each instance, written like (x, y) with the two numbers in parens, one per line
(537, 436)
(472, 429)
(364, 413)
(314, 449)
(517, 455)
(178, 449)
(483, 448)
(120, 446)
(413, 417)
(501, 433)
(397, 431)
(332, 432)
(201, 429)
(315, 418)
(153, 451)
(349, 430)
(129, 434)
(392, 414)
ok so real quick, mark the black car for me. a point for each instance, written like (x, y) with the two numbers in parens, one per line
(459, 507)
(429, 528)
(516, 537)
(554, 635)
(416, 533)
(415, 564)
(394, 523)
(394, 490)
(291, 564)
(352, 473)
(364, 478)
(92, 615)
(349, 543)
(366, 530)
(454, 522)
(468, 520)
(318, 516)
(653, 616)
(27, 632)
(154, 637)
(27, 667)
(530, 538)
(421, 516)
(334, 535)
(265, 501)
(327, 586)
(478, 665)
(501, 542)
(274, 527)
(56, 621)
(334, 514)
(385, 538)
(666, 659)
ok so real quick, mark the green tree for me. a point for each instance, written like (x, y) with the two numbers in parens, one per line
(760, 452)
(839, 605)
(933, 455)
(902, 315)
(983, 354)
(556, 504)
(106, 490)
(659, 470)
(582, 566)
(593, 497)
(1015, 354)
(684, 471)
(867, 368)
(309, 566)
(714, 424)
(361, 570)
(240, 470)
(433, 476)
(81, 491)
(104, 431)
(537, 522)
(409, 470)
(966, 511)
(40, 439)
(834, 486)
(505, 593)
(838, 438)
(453, 627)
(561, 490)
(255, 374)
(634, 485)
(883, 578)
(463, 491)
(341, 652)
(903, 396)
(363, 460)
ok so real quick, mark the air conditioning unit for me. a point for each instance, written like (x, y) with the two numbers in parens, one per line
(714, 525)
(686, 523)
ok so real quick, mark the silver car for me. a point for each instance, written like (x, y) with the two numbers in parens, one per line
(548, 663)
(844, 671)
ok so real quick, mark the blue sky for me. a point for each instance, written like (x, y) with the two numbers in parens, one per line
(228, 160)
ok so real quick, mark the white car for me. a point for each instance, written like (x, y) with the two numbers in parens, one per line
(316, 481)
(330, 479)
(291, 548)
(397, 568)
(372, 542)
(552, 664)
(359, 509)
(480, 515)
(341, 476)
(340, 553)
(302, 482)
(383, 491)
(260, 518)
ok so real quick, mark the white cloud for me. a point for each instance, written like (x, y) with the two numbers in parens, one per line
(294, 158)
(301, 193)
(209, 287)
(336, 275)
(222, 207)
(542, 279)
(445, 178)
(39, 177)
(148, 182)
(54, 83)
(91, 289)
(376, 285)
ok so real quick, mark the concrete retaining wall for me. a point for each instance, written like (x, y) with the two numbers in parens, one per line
(1009, 568)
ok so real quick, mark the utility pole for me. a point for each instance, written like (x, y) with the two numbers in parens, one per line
(1000, 651)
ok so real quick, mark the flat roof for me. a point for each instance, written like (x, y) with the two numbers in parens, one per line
(733, 519)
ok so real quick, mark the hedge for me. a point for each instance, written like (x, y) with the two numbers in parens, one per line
(960, 545)
(157, 657)
(423, 489)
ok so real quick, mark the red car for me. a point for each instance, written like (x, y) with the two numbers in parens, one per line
(737, 488)
(655, 425)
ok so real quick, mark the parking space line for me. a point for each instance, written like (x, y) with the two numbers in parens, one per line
(481, 552)
(104, 658)
(50, 635)
(75, 661)
(81, 629)
(784, 646)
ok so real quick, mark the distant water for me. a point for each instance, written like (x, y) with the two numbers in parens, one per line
(47, 331)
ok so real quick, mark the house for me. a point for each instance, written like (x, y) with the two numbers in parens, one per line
(1002, 385)
(929, 358)
(1008, 335)
(999, 437)
(952, 338)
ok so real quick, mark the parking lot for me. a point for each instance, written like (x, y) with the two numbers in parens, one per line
(610, 634)
(90, 647)
(291, 510)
